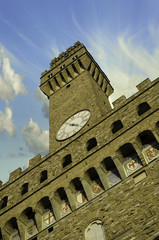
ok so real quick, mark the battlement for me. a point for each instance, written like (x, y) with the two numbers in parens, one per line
(64, 55)
(68, 66)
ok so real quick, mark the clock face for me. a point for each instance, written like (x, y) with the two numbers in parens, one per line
(73, 125)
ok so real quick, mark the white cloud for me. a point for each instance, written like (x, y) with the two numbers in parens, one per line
(42, 97)
(127, 59)
(7, 122)
(36, 139)
(10, 82)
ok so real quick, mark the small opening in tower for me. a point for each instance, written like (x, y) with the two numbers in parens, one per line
(24, 188)
(43, 176)
(68, 85)
(50, 229)
(143, 107)
(3, 202)
(67, 160)
(116, 126)
(91, 143)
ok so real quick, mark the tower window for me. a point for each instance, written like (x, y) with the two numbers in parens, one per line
(50, 229)
(116, 126)
(3, 202)
(91, 143)
(67, 160)
(24, 188)
(43, 176)
(143, 107)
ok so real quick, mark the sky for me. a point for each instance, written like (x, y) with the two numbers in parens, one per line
(121, 35)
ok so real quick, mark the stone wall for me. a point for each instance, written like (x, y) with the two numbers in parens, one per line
(128, 207)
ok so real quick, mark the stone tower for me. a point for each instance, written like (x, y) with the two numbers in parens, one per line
(100, 178)
(74, 83)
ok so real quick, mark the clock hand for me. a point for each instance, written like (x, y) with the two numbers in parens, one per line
(73, 124)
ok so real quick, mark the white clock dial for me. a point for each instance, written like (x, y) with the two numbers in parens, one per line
(73, 125)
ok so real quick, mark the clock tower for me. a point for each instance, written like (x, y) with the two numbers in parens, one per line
(78, 92)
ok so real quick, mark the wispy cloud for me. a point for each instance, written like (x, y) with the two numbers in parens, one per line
(37, 140)
(11, 84)
(126, 59)
(6, 121)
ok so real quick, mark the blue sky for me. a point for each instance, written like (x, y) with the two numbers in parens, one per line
(122, 36)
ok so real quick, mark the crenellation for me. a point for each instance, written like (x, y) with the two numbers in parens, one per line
(15, 174)
(144, 84)
(119, 102)
(64, 55)
(34, 161)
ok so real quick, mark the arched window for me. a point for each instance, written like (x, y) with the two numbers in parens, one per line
(44, 208)
(150, 146)
(143, 107)
(43, 176)
(67, 160)
(95, 182)
(116, 126)
(112, 173)
(91, 144)
(78, 190)
(62, 201)
(95, 231)
(24, 188)
(3, 202)
(28, 220)
(11, 228)
(130, 158)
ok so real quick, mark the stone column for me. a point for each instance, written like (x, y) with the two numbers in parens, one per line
(139, 153)
(156, 136)
(71, 198)
(87, 189)
(120, 167)
(38, 219)
(22, 229)
(5, 235)
(56, 207)
(103, 177)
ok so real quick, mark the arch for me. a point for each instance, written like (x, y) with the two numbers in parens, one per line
(95, 231)
(130, 158)
(149, 145)
(91, 143)
(24, 188)
(79, 193)
(94, 181)
(3, 202)
(142, 108)
(45, 211)
(67, 160)
(28, 221)
(43, 176)
(63, 204)
(116, 126)
(112, 173)
(11, 229)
